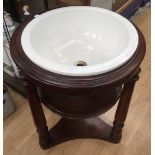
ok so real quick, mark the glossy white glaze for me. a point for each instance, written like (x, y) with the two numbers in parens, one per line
(57, 39)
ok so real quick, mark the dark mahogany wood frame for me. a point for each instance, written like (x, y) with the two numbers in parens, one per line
(76, 123)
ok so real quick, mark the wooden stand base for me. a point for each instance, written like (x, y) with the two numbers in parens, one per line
(69, 129)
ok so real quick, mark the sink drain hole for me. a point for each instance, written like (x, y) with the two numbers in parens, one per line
(80, 63)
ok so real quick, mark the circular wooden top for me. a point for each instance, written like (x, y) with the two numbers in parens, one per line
(41, 76)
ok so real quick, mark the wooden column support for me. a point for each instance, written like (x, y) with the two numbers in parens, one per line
(37, 111)
(122, 109)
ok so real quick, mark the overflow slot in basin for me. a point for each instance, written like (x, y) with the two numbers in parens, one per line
(80, 63)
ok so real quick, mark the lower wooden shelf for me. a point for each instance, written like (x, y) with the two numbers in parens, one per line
(70, 129)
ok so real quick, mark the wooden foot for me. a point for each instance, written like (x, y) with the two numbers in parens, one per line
(69, 129)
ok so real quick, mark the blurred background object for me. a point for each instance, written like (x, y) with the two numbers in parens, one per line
(8, 106)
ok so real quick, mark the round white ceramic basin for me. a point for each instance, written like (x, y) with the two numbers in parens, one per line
(79, 41)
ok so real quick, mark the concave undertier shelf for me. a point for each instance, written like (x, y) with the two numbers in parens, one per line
(70, 129)
(78, 62)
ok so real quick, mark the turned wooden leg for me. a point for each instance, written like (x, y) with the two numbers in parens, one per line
(37, 113)
(122, 109)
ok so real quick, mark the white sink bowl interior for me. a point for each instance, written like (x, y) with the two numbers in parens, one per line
(60, 39)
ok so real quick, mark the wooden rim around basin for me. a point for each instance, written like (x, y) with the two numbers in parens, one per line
(41, 76)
